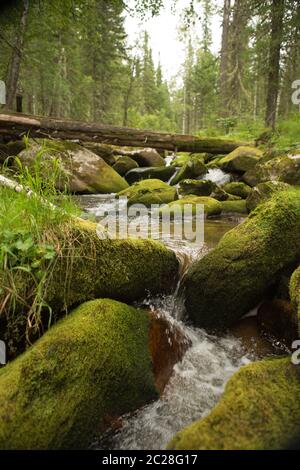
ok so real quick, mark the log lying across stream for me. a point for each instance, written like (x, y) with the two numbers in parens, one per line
(14, 126)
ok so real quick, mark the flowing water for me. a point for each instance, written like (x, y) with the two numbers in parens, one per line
(198, 381)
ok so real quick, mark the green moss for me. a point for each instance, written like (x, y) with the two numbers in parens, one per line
(260, 410)
(196, 187)
(241, 160)
(232, 279)
(87, 268)
(238, 207)
(194, 168)
(294, 289)
(211, 206)
(92, 365)
(282, 168)
(264, 191)
(124, 164)
(150, 191)
(241, 190)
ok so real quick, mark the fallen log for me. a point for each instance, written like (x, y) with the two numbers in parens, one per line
(14, 126)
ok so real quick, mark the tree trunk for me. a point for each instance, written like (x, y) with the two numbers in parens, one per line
(274, 62)
(225, 56)
(15, 126)
(16, 59)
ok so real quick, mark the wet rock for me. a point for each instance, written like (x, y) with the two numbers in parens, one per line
(80, 170)
(241, 190)
(241, 160)
(159, 173)
(260, 410)
(148, 192)
(124, 164)
(168, 344)
(93, 364)
(278, 319)
(232, 279)
(264, 191)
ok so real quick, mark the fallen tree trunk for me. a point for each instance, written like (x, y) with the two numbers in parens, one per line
(15, 126)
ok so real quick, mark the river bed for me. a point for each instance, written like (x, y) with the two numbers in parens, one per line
(198, 381)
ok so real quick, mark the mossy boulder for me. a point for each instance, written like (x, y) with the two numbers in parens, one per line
(92, 365)
(234, 207)
(86, 268)
(183, 158)
(80, 170)
(196, 187)
(233, 278)
(148, 192)
(124, 164)
(239, 189)
(263, 191)
(194, 168)
(241, 159)
(284, 168)
(219, 194)
(159, 173)
(260, 410)
(106, 152)
(147, 158)
(294, 289)
(211, 206)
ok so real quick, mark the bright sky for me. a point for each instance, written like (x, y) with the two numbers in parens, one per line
(164, 34)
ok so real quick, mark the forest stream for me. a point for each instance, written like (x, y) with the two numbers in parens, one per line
(198, 381)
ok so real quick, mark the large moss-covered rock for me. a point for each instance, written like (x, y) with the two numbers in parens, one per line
(284, 168)
(183, 158)
(260, 410)
(234, 207)
(85, 268)
(241, 160)
(239, 189)
(196, 187)
(294, 289)
(194, 168)
(211, 206)
(147, 158)
(106, 152)
(232, 279)
(92, 365)
(148, 192)
(124, 164)
(160, 173)
(263, 191)
(80, 170)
